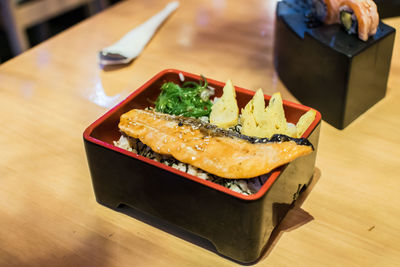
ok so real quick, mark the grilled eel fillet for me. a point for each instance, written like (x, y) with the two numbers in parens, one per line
(224, 153)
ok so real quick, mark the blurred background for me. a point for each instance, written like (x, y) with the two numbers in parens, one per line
(26, 23)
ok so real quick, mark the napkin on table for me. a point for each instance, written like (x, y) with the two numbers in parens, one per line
(132, 43)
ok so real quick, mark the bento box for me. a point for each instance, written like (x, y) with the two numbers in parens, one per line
(238, 225)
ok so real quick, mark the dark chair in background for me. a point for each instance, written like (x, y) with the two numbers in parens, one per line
(18, 15)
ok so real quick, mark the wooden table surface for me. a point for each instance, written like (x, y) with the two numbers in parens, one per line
(50, 94)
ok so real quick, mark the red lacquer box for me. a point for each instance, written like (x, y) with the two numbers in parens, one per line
(238, 225)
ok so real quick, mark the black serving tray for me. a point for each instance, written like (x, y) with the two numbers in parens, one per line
(327, 68)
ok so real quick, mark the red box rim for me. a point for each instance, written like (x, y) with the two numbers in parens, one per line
(271, 179)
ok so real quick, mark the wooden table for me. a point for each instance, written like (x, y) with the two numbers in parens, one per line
(50, 94)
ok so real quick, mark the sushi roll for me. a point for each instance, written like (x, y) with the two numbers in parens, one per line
(359, 17)
(326, 11)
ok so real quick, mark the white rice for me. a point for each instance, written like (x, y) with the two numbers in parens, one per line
(181, 77)
(243, 186)
(211, 88)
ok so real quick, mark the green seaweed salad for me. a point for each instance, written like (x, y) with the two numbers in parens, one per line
(192, 99)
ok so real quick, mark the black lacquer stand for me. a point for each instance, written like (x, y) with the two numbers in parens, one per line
(328, 69)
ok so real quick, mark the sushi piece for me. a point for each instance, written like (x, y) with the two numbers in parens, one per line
(221, 152)
(326, 11)
(359, 17)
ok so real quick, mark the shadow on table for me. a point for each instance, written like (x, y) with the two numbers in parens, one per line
(295, 218)
(115, 67)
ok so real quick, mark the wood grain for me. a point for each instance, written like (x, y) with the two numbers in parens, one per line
(51, 93)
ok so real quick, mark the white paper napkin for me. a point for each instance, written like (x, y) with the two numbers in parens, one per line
(133, 43)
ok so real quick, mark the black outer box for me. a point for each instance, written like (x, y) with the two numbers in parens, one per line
(327, 68)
